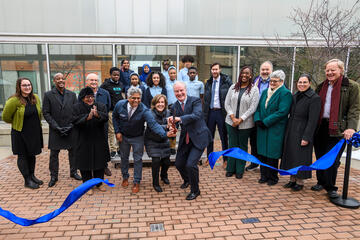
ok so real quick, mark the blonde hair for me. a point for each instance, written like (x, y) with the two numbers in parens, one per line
(340, 64)
(156, 99)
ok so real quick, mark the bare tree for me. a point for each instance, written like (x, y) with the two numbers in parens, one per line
(328, 32)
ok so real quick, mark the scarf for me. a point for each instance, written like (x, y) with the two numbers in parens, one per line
(269, 94)
(335, 101)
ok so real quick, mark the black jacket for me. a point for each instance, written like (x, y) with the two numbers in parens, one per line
(59, 114)
(115, 90)
(154, 144)
(91, 146)
(147, 97)
(304, 116)
(225, 83)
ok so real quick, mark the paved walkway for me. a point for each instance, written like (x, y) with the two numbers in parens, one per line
(221, 211)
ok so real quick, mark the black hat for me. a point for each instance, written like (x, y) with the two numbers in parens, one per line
(85, 92)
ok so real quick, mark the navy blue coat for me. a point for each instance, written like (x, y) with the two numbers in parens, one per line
(192, 121)
(134, 127)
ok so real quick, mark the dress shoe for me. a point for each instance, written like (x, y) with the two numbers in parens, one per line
(75, 176)
(165, 180)
(158, 188)
(239, 175)
(125, 183)
(200, 163)
(184, 185)
(29, 183)
(101, 188)
(262, 180)
(206, 163)
(107, 171)
(136, 188)
(52, 182)
(36, 180)
(192, 195)
(333, 194)
(289, 184)
(172, 151)
(317, 187)
(90, 192)
(229, 174)
(272, 182)
(297, 187)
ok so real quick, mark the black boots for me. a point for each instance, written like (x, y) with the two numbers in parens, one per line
(52, 182)
(36, 180)
(29, 183)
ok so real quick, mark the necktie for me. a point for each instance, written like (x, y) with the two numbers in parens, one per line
(130, 113)
(187, 138)
(213, 94)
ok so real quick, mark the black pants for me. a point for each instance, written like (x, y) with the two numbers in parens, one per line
(216, 118)
(158, 162)
(322, 144)
(54, 162)
(186, 163)
(269, 174)
(26, 165)
(253, 144)
(90, 174)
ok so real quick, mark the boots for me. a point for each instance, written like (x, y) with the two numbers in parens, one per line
(36, 180)
(29, 183)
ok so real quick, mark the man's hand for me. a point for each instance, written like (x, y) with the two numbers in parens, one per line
(348, 133)
(119, 137)
(172, 120)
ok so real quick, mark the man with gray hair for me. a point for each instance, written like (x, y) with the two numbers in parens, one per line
(129, 117)
(262, 82)
(58, 112)
(271, 118)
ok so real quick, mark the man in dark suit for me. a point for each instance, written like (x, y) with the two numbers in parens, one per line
(194, 137)
(58, 112)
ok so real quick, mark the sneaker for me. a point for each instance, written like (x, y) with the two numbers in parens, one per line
(172, 151)
(117, 165)
(112, 155)
(251, 167)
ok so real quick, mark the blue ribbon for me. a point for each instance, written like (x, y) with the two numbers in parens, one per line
(71, 198)
(322, 163)
(355, 140)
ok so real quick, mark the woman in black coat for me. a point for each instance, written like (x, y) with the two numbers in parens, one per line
(91, 146)
(156, 147)
(298, 142)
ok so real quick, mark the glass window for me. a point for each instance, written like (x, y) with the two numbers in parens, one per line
(141, 54)
(353, 71)
(280, 57)
(77, 61)
(22, 60)
(312, 60)
(204, 56)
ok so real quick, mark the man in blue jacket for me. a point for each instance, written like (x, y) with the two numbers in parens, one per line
(194, 137)
(129, 117)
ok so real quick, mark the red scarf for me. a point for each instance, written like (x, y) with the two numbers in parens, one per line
(334, 106)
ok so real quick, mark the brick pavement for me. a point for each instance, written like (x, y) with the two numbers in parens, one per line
(216, 214)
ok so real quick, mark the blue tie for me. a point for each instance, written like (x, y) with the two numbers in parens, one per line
(213, 94)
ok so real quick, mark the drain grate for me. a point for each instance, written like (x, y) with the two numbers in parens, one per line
(156, 227)
(250, 220)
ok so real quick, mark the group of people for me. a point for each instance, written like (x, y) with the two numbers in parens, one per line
(109, 120)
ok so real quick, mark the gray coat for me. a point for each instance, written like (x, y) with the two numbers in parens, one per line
(154, 144)
(304, 117)
(59, 114)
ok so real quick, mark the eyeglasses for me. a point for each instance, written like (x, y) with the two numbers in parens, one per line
(274, 81)
(25, 85)
(89, 97)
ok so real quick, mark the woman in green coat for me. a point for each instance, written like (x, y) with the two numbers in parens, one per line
(270, 119)
(23, 111)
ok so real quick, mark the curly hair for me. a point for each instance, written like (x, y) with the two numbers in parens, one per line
(150, 82)
(238, 84)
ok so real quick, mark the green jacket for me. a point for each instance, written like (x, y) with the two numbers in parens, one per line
(349, 108)
(275, 117)
(14, 112)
